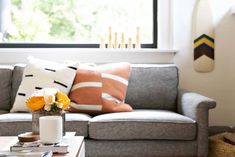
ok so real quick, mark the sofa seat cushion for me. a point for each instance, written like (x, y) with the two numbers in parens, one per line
(16, 123)
(142, 124)
(77, 122)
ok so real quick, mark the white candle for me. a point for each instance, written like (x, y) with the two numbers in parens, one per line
(129, 46)
(102, 43)
(110, 45)
(50, 129)
(137, 45)
(115, 40)
(123, 41)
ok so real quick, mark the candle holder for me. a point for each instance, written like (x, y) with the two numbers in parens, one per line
(51, 129)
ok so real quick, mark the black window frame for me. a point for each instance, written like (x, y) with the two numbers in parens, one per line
(67, 45)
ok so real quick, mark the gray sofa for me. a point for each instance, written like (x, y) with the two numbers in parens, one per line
(165, 122)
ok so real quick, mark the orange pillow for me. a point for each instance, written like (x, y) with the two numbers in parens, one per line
(100, 89)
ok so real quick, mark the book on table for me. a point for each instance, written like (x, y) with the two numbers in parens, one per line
(25, 154)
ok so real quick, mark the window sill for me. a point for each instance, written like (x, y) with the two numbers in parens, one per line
(88, 55)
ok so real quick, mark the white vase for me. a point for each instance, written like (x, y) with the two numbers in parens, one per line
(50, 129)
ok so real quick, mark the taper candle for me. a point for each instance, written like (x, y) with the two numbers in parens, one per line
(129, 43)
(115, 40)
(123, 41)
(137, 44)
(110, 38)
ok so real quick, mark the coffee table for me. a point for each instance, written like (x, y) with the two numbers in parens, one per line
(76, 148)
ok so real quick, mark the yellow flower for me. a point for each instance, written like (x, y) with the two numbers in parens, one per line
(63, 99)
(35, 103)
(48, 98)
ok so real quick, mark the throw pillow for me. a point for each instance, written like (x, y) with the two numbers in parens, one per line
(100, 89)
(40, 74)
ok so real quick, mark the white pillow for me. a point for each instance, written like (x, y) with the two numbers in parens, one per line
(43, 74)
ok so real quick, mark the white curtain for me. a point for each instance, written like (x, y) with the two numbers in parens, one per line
(5, 15)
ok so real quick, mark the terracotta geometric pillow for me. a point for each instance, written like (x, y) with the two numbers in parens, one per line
(100, 89)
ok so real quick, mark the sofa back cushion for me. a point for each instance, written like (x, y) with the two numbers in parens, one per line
(5, 86)
(16, 80)
(150, 86)
(153, 86)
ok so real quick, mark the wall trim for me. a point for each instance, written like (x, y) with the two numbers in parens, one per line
(19, 55)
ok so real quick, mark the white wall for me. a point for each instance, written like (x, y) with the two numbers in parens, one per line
(219, 84)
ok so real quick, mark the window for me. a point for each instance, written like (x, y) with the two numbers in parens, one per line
(76, 23)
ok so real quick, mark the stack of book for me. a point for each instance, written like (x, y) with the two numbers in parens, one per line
(37, 146)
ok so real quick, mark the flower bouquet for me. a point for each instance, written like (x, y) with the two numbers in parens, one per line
(46, 102)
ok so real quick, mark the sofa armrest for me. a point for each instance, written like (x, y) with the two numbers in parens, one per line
(189, 103)
(196, 106)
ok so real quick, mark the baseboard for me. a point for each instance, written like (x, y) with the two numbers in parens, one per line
(219, 129)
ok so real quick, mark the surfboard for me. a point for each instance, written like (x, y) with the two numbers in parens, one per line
(203, 37)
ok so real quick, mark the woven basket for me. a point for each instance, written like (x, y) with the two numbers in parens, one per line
(219, 148)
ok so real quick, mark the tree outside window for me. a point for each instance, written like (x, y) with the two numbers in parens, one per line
(75, 21)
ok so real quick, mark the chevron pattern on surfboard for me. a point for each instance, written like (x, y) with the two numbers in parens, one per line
(204, 45)
(203, 37)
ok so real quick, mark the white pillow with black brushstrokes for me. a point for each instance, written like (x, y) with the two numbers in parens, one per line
(40, 74)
